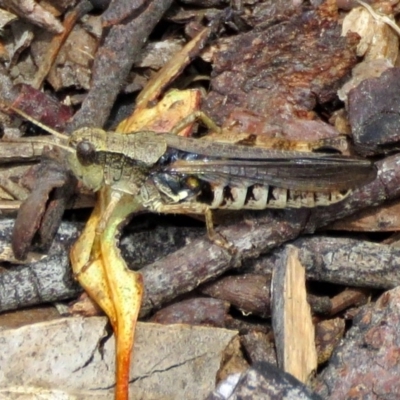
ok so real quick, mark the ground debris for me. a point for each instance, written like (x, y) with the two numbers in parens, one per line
(195, 311)
(291, 318)
(342, 261)
(272, 71)
(48, 277)
(41, 213)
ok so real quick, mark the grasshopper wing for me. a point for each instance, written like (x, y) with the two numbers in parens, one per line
(319, 174)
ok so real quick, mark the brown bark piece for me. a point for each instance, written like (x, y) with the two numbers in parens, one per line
(367, 365)
(196, 311)
(171, 362)
(249, 293)
(279, 72)
(291, 318)
(266, 11)
(349, 298)
(41, 213)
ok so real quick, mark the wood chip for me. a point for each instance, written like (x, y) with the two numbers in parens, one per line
(291, 318)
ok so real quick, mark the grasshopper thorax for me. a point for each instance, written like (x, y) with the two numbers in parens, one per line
(144, 146)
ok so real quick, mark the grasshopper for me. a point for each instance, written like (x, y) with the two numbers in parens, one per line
(183, 175)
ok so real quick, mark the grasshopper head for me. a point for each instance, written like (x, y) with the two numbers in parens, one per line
(87, 142)
(81, 149)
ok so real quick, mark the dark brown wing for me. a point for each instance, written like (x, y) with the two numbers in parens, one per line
(323, 173)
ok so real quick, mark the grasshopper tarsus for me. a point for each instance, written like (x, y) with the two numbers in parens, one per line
(221, 241)
(193, 117)
(216, 237)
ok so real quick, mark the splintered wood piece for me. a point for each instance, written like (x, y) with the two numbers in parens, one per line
(291, 318)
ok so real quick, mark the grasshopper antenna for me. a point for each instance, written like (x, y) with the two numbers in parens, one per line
(37, 123)
(40, 125)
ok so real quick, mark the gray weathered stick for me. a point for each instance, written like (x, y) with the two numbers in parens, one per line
(49, 279)
(343, 261)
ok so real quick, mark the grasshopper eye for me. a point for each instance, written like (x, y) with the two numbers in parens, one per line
(86, 153)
